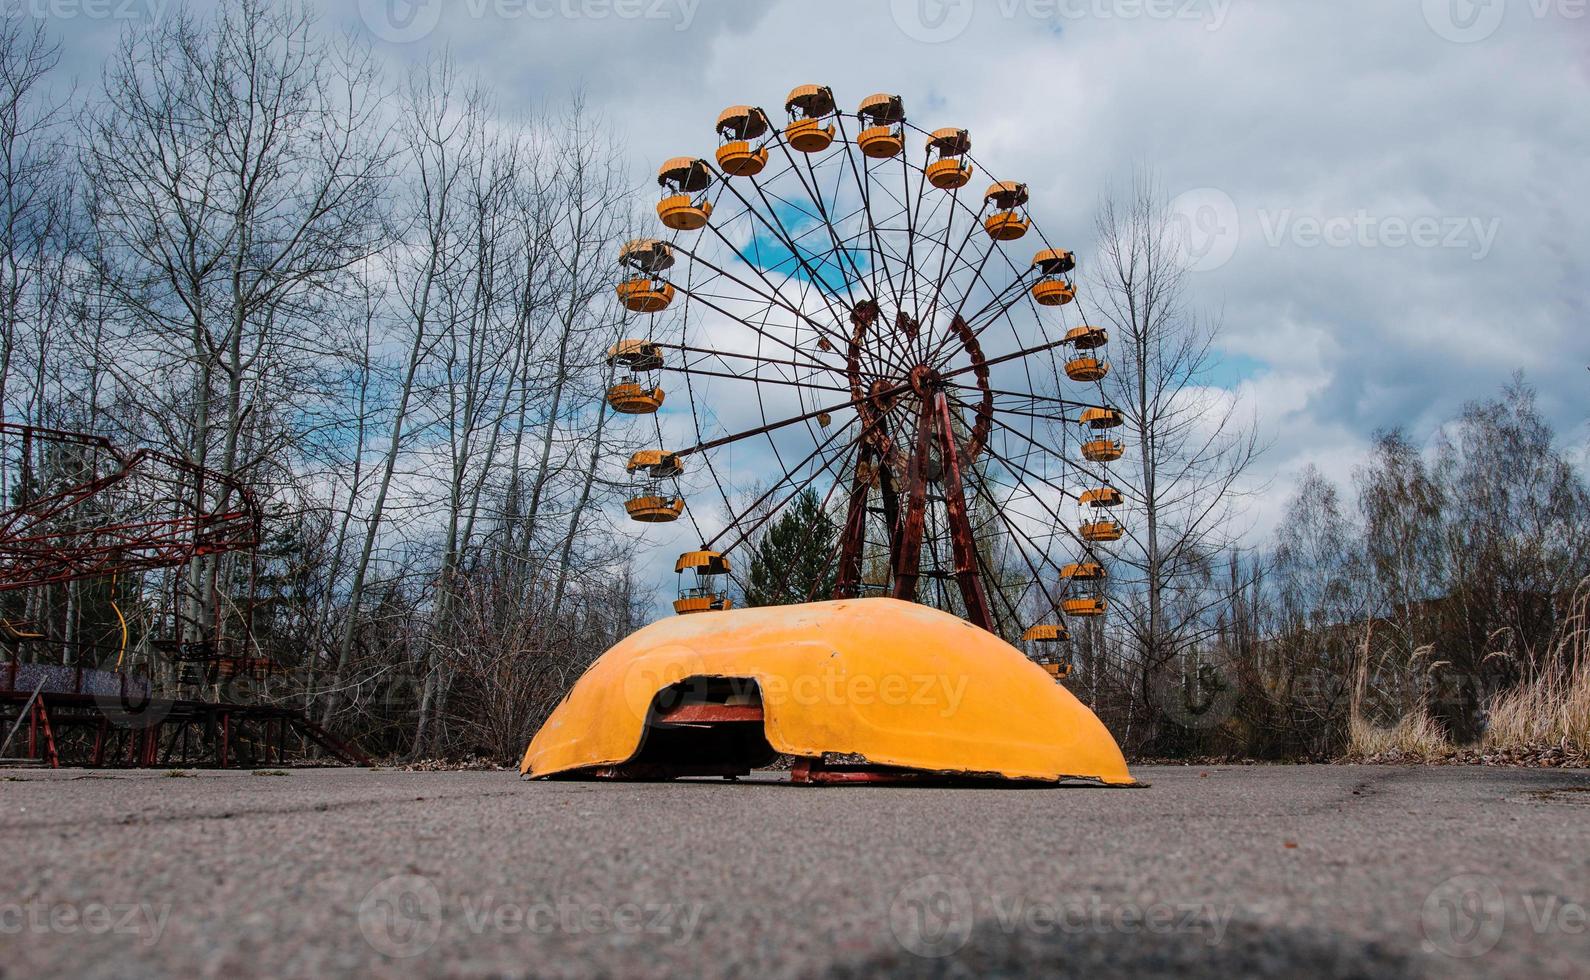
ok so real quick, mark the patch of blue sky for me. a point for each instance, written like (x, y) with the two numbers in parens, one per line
(1228, 370)
(809, 254)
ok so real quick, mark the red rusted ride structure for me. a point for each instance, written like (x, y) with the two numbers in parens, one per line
(83, 509)
(179, 511)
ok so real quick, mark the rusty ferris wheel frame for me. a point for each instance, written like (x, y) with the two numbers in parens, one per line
(896, 345)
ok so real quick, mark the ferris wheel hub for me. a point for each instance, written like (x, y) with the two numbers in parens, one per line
(925, 380)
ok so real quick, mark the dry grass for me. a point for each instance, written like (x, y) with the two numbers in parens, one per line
(1416, 736)
(1551, 708)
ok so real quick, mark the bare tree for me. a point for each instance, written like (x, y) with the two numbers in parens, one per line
(1188, 446)
(34, 200)
(231, 182)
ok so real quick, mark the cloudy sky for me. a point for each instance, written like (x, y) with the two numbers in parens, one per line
(1390, 199)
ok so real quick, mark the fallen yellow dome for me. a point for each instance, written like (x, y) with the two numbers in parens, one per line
(890, 683)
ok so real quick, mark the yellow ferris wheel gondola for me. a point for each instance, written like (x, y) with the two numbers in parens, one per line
(635, 393)
(1101, 532)
(808, 106)
(1101, 418)
(1084, 607)
(646, 292)
(1050, 635)
(1087, 338)
(1100, 498)
(1102, 450)
(684, 206)
(883, 136)
(649, 503)
(1054, 288)
(1008, 222)
(739, 126)
(707, 594)
(1087, 368)
(946, 170)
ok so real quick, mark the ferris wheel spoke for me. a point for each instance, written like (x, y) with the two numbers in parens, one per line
(759, 331)
(815, 195)
(1051, 399)
(792, 241)
(777, 299)
(900, 360)
(755, 379)
(774, 426)
(863, 175)
(771, 222)
(1086, 547)
(999, 304)
(912, 211)
(1080, 548)
(822, 510)
(796, 489)
(946, 265)
(990, 575)
(709, 352)
(1037, 576)
(1070, 464)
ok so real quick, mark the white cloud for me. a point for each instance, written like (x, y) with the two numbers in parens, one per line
(1357, 115)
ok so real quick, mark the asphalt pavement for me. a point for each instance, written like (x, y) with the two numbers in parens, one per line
(1290, 871)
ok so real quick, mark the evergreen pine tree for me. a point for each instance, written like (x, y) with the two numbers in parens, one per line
(794, 559)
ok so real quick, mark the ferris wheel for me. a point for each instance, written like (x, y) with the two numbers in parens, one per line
(841, 300)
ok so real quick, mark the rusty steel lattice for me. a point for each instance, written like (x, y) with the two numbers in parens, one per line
(82, 508)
